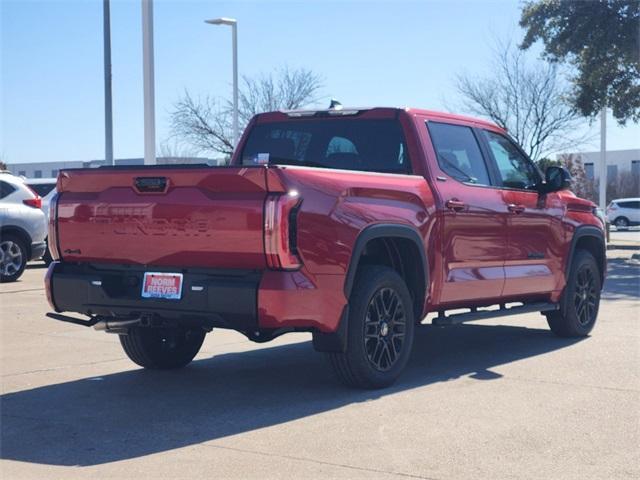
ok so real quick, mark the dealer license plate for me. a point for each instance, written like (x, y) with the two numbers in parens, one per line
(162, 285)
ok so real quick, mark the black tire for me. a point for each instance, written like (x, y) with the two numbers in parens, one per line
(13, 257)
(162, 348)
(621, 222)
(580, 300)
(376, 358)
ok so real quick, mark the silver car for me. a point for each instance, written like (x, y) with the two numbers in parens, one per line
(46, 188)
(624, 213)
(23, 226)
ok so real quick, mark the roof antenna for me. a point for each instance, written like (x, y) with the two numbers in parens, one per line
(335, 105)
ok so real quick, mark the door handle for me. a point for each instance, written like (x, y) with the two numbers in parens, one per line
(515, 208)
(455, 205)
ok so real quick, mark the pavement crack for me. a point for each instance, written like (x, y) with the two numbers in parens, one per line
(320, 462)
(61, 367)
(569, 384)
(21, 291)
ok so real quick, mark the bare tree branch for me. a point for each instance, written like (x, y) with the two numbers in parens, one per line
(206, 123)
(529, 101)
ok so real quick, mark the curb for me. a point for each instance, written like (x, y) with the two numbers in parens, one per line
(623, 247)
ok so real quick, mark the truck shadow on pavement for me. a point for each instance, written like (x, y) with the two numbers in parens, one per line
(135, 413)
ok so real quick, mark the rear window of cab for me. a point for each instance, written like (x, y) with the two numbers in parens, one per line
(364, 145)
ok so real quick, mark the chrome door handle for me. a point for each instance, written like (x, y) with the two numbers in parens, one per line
(515, 208)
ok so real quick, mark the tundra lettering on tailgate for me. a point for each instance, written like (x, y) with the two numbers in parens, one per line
(129, 225)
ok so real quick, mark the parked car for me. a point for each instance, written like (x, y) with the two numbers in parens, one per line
(349, 224)
(22, 226)
(624, 212)
(46, 188)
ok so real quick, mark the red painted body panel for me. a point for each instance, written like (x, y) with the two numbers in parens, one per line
(206, 218)
(478, 254)
(536, 240)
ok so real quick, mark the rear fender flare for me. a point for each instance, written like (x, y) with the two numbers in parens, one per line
(337, 341)
(384, 231)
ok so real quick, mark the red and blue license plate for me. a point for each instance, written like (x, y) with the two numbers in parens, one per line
(162, 285)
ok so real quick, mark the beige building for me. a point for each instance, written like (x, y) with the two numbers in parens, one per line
(51, 169)
(618, 162)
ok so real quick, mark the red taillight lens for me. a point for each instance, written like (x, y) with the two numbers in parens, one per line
(33, 202)
(280, 231)
(53, 229)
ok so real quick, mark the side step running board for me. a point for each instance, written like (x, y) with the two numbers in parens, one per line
(443, 320)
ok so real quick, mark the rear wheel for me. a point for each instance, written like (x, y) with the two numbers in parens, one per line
(581, 299)
(621, 222)
(162, 348)
(379, 332)
(13, 257)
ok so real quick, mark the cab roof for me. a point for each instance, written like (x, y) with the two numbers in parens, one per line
(374, 112)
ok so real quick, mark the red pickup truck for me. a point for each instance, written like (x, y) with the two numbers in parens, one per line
(351, 224)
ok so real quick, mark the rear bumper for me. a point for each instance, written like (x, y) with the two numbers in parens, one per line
(214, 297)
(38, 249)
(243, 300)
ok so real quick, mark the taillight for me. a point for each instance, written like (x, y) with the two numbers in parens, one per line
(280, 230)
(33, 202)
(53, 228)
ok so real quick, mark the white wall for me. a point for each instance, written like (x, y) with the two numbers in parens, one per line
(618, 162)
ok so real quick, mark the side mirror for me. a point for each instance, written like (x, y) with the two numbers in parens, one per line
(556, 178)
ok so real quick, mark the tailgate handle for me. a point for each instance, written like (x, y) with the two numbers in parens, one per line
(151, 184)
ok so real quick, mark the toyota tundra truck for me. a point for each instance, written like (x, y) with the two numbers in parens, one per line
(351, 224)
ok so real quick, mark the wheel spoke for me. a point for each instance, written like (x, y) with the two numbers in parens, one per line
(384, 329)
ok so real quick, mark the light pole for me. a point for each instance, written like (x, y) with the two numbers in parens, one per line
(108, 120)
(603, 159)
(234, 34)
(148, 81)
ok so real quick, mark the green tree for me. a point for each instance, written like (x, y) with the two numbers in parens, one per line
(546, 162)
(600, 38)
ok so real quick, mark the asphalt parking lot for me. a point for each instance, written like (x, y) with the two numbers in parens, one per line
(493, 399)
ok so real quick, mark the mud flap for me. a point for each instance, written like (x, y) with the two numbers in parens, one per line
(334, 342)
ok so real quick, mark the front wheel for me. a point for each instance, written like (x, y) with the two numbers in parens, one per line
(581, 299)
(379, 331)
(162, 348)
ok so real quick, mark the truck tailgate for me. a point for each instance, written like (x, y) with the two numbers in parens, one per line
(189, 217)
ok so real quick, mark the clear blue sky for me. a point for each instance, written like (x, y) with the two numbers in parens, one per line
(369, 53)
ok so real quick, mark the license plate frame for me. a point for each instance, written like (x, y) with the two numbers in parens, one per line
(162, 285)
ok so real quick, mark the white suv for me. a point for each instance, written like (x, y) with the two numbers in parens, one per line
(23, 227)
(46, 188)
(624, 212)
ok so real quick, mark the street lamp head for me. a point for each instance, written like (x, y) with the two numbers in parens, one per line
(222, 21)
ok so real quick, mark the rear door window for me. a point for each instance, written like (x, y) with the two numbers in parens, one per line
(458, 153)
(630, 204)
(42, 189)
(6, 189)
(356, 144)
